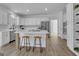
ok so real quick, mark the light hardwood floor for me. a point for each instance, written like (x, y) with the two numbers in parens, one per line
(55, 47)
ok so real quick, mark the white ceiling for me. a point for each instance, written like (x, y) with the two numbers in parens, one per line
(35, 8)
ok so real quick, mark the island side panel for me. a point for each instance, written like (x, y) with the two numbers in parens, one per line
(17, 40)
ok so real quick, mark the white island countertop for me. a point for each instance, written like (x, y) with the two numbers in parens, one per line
(32, 31)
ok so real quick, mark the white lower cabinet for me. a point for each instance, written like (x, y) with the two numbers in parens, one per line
(4, 38)
(0, 38)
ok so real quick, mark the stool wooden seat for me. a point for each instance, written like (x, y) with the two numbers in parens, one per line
(35, 39)
(25, 38)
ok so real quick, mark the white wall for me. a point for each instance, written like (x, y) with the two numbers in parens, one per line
(70, 33)
(61, 19)
(60, 24)
(69, 19)
(64, 21)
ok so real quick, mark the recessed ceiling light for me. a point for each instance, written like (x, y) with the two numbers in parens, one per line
(46, 9)
(27, 10)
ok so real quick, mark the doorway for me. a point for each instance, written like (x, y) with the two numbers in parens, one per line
(54, 27)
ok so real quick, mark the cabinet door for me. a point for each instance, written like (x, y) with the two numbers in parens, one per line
(0, 38)
(12, 35)
(3, 17)
(22, 22)
(5, 38)
(0, 19)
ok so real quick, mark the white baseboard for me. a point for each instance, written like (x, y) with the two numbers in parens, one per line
(73, 51)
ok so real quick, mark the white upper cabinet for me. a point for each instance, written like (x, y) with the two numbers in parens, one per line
(3, 17)
(31, 21)
(21, 21)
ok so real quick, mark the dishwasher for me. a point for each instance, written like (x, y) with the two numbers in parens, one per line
(12, 36)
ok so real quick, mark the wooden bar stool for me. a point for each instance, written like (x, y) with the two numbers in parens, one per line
(35, 39)
(25, 38)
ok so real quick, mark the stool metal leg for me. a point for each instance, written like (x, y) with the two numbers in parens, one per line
(41, 46)
(34, 44)
(20, 44)
(26, 44)
(21, 41)
(29, 44)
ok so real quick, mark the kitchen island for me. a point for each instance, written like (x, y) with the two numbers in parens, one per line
(31, 33)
